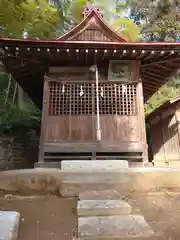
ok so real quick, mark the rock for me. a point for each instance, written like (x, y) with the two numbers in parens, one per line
(104, 165)
(9, 225)
(103, 207)
(110, 227)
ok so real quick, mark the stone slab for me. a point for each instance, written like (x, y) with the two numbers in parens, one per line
(9, 225)
(103, 208)
(47, 165)
(102, 165)
(100, 195)
(116, 227)
(75, 188)
(50, 180)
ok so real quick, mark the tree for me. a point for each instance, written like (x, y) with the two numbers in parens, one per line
(158, 19)
(127, 28)
(73, 16)
(35, 17)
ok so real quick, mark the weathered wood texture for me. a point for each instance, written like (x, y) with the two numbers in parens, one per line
(82, 129)
(165, 136)
(92, 33)
(70, 113)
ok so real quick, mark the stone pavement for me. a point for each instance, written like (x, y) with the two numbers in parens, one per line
(103, 214)
(9, 225)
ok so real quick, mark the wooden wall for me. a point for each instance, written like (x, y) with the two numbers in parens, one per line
(165, 137)
(73, 127)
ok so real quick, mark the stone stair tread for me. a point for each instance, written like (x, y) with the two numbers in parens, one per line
(9, 225)
(100, 195)
(155, 237)
(76, 188)
(94, 165)
(103, 207)
(113, 227)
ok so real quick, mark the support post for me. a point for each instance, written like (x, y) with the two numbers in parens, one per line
(98, 130)
(141, 113)
(43, 119)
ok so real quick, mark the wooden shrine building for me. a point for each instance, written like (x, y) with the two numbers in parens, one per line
(164, 125)
(91, 85)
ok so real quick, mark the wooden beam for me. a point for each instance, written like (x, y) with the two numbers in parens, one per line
(153, 74)
(152, 55)
(145, 75)
(26, 73)
(149, 86)
(162, 66)
(143, 54)
(157, 71)
(163, 61)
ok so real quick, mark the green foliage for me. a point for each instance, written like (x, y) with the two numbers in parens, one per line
(13, 119)
(164, 94)
(158, 18)
(127, 28)
(130, 30)
(38, 18)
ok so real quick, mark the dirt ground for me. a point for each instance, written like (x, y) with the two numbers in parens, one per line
(43, 217)
(162, 212)
(48, 217)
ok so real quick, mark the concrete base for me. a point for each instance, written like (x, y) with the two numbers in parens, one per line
(101, 165)
(47, 165)
(85, 165)
(9, 225)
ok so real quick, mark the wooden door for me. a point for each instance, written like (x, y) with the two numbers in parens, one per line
(118, 113)
(70, 113)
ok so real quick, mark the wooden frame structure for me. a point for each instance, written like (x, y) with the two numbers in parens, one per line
(164, 126)
(68, 78)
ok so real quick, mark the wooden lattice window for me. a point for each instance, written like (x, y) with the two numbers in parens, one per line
(117, 99)
(80, 99)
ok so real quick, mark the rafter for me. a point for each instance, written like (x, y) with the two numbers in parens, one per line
(152, 75)
(162, 61)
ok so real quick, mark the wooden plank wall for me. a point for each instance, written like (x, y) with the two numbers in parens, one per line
(165, 139)
(122, 126)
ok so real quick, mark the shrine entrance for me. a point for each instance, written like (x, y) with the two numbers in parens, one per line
(72, 112)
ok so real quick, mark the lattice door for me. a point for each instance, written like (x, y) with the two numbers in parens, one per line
(80, 99)
(77, 104)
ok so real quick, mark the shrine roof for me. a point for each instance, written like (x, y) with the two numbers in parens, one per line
(166, 109)
(90, 42)
(92, 28)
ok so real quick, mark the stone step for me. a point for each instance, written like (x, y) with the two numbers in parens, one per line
(9, 225)
(113, 227)
(100, 195)
(98, 176)
(103, 208)
(75, 188)
(106, 165)
(154, 237)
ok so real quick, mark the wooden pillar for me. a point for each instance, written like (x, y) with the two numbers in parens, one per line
(43, 120)
(21, 102)
(177, 116)
(141, 116)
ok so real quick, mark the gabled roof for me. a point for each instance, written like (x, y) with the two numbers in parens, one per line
(21, 57)
(169, 106)
(84, 31)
